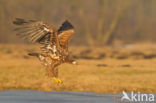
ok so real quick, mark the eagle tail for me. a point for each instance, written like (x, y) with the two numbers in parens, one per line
(33, 54)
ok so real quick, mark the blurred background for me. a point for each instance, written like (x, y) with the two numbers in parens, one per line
(97, 22)
(114, 45)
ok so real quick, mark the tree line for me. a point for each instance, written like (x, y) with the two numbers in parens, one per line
(97, 22)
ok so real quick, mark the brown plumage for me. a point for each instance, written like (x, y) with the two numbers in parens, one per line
(54, 43)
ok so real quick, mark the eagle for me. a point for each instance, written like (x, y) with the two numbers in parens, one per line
(53, 43)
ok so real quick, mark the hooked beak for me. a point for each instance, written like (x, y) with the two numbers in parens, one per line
(75, 62)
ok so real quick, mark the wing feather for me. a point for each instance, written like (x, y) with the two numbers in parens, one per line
(65, 33)
(35, 32)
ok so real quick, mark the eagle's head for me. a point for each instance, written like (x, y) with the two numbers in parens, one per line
(75, 62)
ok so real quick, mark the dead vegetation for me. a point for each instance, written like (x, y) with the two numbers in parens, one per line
(102, 70)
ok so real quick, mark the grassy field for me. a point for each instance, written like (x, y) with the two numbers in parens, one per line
(101, 70)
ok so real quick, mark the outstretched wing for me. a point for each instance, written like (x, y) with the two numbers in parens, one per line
(65, 33)
(37, 32)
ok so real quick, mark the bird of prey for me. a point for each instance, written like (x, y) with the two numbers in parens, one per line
(54, 43)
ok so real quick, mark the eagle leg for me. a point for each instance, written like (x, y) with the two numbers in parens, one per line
(52, 71)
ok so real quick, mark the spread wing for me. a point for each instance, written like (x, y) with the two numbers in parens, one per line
(37, 32)
(65, 33)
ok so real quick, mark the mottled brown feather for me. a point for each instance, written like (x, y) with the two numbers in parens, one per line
(37, 32)
(65, 36)
(40, 32)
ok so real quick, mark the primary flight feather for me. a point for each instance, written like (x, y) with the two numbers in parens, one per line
(54, 42)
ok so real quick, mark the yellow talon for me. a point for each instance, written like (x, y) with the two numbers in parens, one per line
(57, 80)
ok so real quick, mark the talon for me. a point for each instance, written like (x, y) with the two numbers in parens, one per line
(75, 62)
(57, 80)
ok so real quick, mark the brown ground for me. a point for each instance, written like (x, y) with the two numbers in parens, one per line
(102, 70)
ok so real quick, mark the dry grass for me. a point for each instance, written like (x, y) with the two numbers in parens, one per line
(102, 70)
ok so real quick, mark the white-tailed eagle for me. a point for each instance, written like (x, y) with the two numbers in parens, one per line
(54, 43)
